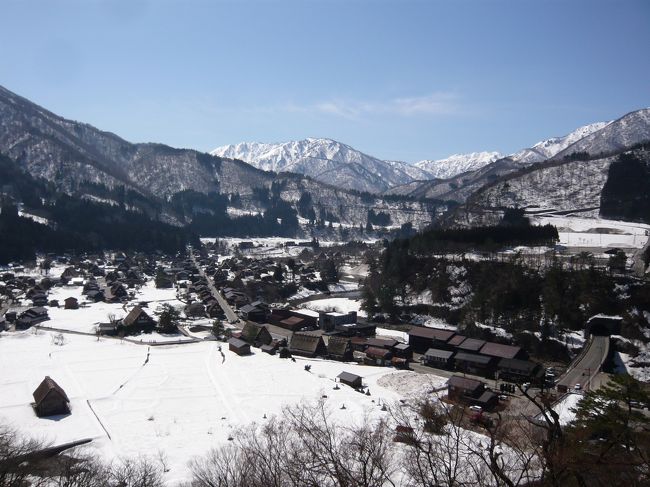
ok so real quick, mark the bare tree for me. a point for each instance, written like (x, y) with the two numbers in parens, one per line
(302, 447)
(15, 454)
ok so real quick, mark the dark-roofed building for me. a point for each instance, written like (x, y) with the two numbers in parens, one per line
(499, 350)
(270, 349)
(50, 399)
(95, 295)
(385, 343)
(240, 347)
(471, 345)
(115, 293)
(516, 370)
(329, 321)
(107, 329)
(472, 363)
(357, 329)
(464, 389)
(422, 338)
(195, 310)
(339, 348)
(71, 303)
(307, 345)
(31, 317)
(441, 359)
(350, 379)
(403, 350)
(487, 400)
(456, 340)
(255, 334)
(253, 312)
(293, 323)
(377, 356)
(39, 299)
(138, 320)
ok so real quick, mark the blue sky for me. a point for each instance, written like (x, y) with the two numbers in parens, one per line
(402, 79)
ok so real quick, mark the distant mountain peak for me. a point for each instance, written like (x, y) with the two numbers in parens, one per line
(458, 163)
(326, 160)
(548, 148)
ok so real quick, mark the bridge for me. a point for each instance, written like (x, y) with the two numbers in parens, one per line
(588, 364)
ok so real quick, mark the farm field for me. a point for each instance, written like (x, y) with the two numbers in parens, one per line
(176, 401)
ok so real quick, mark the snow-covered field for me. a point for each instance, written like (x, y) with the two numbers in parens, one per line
(597, 232)
(339, 305)
(182, 401)
(86, 318)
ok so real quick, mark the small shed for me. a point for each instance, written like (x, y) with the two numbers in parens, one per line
(270, 349)
(50, 399)
(71, 303)
(349, 379)
(240, 347)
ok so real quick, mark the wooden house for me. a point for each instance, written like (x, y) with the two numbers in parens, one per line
(471, 345)
(307, 345)
(500, 351)
(475, 364)
(339, 348)
(194, 310)
(50, 399)
(240, 347)
(71, 303)
(464, 389)
(377, 356)
(516, 370)
(253, 312)
(351, 380)
(138, 320)
(403, 350)
(31, 317)
(440, 359)
(256, 335)
(422, 338)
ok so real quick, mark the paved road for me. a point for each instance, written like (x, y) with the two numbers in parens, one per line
(227, 309)
(588, 365)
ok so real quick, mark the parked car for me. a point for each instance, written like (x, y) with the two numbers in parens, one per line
(577, 387)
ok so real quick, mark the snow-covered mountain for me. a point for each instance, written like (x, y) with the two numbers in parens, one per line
(80, 159)
(325, 160)
(457, 164)
(547, 149)
(632, 128)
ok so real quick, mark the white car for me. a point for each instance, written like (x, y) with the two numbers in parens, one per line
(477, 409)
(577, 387)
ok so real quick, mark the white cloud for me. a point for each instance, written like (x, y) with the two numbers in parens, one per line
(433, 104)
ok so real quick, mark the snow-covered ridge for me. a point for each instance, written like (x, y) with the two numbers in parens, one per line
(458, 163)
(548, 148)
(325, 160)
